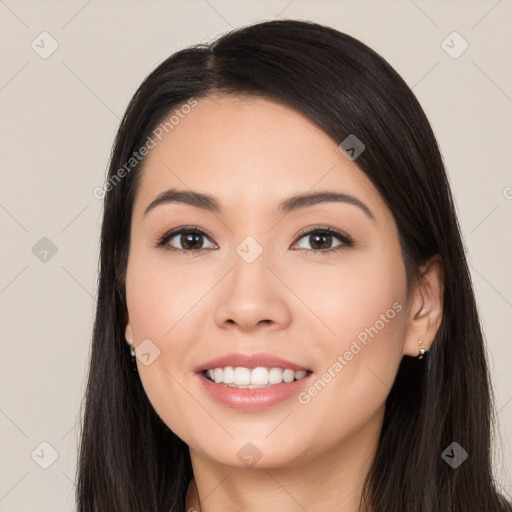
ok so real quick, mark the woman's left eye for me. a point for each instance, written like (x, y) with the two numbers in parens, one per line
(321, 240)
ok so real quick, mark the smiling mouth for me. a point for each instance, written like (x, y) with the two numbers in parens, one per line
(253, 378)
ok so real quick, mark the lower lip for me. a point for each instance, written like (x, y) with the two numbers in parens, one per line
(255, 399)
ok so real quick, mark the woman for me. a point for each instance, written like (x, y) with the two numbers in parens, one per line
(281, 265)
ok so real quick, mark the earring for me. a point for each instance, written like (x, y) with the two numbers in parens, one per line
(422, 350)
(132, 350)
(132, 353)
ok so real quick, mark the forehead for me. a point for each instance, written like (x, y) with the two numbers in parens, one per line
(248, 151)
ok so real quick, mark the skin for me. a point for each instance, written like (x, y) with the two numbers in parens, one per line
(292, 301)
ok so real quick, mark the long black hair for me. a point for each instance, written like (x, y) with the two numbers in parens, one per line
(129, 460)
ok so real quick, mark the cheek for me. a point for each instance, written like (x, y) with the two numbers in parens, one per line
(164, 303)
(359, 296)
(360, 360)
(161, 295)
(360, 311)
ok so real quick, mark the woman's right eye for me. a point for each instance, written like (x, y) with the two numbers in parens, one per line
(187, 239)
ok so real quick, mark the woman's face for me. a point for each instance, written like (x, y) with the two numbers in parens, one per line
(262, 280)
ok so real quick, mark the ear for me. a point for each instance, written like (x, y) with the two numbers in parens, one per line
(128, 333)
(426, 312)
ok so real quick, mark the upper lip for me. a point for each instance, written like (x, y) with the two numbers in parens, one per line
(249, 361)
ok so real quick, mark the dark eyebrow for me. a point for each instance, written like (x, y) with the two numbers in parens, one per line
(309, 199)
(209, 203)
(204, 201)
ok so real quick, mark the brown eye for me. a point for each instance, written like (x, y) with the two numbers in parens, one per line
(189, 240)
(185, 240)
(322, 239)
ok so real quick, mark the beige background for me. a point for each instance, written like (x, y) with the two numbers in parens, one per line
(58, 119)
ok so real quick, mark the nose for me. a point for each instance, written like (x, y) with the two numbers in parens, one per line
(252, 297)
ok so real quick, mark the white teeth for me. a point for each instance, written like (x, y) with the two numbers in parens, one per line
(288, 375)
(259, 376)
(255, 377)
(275, 376)
(242, 376)
(228, 375)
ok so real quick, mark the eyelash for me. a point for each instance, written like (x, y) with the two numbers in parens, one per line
(346, 240)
